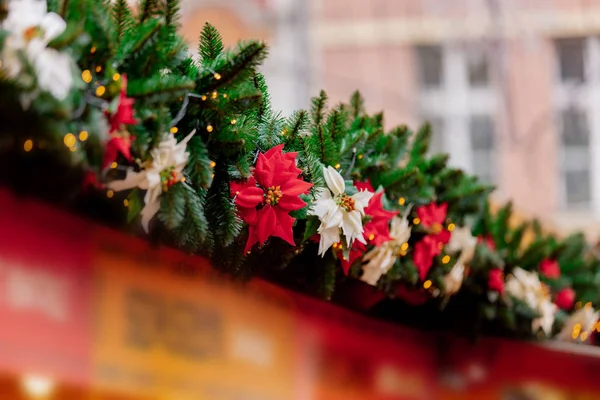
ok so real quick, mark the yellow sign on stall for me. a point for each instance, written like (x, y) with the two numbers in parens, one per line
(164, 330)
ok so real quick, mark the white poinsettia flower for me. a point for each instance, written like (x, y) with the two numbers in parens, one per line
(454, 279)
(379, 260)
(581, 321)
(548, 310)
(30, 29)
(463, 241)
(335, 209)
(527, 287)
(162, 171)
(579, 325)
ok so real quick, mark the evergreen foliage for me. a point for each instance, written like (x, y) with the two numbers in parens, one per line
(223, 98)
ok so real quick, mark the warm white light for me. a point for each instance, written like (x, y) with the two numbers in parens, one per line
(37, 387)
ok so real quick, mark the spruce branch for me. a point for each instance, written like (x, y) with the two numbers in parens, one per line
(159, 88)
(236, 65)
(122, 19)
(171, 13)
(148, 9)
(211, 45)
(143, 37)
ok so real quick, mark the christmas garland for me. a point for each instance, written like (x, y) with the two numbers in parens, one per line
(105, 112)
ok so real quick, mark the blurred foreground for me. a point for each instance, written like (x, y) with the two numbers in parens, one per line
(88, 313)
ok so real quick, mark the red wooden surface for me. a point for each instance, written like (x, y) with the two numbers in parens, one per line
(64, 313)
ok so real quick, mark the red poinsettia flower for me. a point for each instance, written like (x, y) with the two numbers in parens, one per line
(549, 268)
(265, 200)
(90, 181)
(116, 145)
(120, 142)
(376, 230)
(488, 240)
(565, 298)
(432, 218)
(364, 186)
(356, 252)
(423, 255)
(124, 112)
(496, 280)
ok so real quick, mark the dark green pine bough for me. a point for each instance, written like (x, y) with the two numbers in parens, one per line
(223, 97)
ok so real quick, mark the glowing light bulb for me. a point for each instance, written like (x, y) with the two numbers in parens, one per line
(69, 140)
(37, 386)
(28, 145)
(86, 76)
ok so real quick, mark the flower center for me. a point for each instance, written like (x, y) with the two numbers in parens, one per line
(168, 177)
(436, 228)
(32, 32)
(346, 202)
(273, 195)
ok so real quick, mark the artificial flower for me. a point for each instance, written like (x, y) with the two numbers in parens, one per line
(565, 299)
(579, 325)
(496, 280)
(162, 171)
(265, 200)
(376, 230)
(30, 29)
(335, 209)
(423, 254)
(526, 286)
(549, 268)
(90, 181)
(433, 217)
(488, 240)
(454, 279)
(545, 321)
(464, 242)
(120, 140)
(123, 114)
(380, 259)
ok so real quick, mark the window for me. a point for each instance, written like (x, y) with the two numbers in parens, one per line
(481, 130)
(430, 66)
(575, 139)
(458, 98)
(478, 68)
(571, 60)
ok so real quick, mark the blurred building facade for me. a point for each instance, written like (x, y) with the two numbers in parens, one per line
(283, 24)
(511, 87)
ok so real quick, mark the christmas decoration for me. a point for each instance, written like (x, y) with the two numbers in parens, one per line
(266, 199)
(120, 141)
(380, 259)
(565, 299)
(336, 210)
(550, 269)
(158, 175)
(496, 280)
(112, 144)
(526, 286)
(580, 325)
(26, 55)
